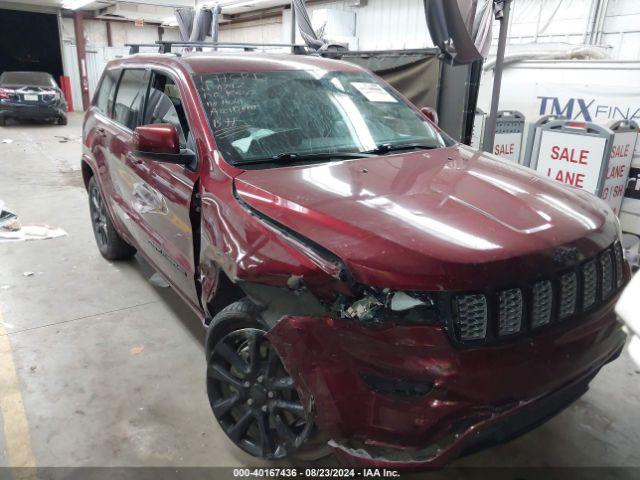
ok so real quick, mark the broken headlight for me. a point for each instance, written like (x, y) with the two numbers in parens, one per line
(374, 306)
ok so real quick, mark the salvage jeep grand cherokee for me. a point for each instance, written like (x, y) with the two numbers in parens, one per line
(365, 280)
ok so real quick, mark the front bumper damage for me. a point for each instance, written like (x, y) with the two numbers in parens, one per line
(399, 396)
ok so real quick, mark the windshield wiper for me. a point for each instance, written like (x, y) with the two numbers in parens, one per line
(295, 157)
(389, 147)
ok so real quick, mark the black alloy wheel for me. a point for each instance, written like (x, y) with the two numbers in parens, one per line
(98, 217)
(254, 398)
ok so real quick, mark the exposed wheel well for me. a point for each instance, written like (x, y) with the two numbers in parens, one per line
(87, 173)
(226, 294)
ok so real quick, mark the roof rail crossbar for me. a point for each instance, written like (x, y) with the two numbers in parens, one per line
(135, 47)
(166, 46)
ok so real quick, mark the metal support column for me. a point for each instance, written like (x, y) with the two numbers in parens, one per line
(216, 11)
(294, 27)
(490, 126)
(81, 44)
(109, 34)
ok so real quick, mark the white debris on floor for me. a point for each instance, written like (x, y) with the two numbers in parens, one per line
(12, 231)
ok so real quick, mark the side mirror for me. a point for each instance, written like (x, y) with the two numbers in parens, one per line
(160, 138)
(161, 142)
(431, 114)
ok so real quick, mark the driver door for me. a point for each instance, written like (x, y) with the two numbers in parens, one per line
(162, 193)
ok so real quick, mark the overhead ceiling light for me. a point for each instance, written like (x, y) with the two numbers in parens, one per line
(76, 4)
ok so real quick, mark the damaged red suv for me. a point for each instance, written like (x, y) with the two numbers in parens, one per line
(366, 281)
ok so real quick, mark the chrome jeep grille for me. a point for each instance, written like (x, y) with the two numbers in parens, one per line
(496, 315)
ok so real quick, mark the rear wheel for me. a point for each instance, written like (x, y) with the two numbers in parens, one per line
(251, 394)
(110, 244)
(3, 121)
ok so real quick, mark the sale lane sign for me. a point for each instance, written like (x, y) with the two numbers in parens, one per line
(507, 145)
(508, 138)
(617, 174)
(630, 210)
(573, 158)
(618, 169)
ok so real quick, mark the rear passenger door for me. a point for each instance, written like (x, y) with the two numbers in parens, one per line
(126, 112)
(162, 192)
(98, 129)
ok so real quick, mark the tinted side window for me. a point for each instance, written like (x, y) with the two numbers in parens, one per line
(164, 105)
(128, 102)
(107, 91)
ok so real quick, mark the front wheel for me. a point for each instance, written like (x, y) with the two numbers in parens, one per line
(110, 244)
(251, 394)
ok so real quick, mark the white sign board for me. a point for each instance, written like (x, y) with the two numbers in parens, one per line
(630, 215)
(618, 170)
(374, 92)
(588, 102)
(571, 159)
(507, 145)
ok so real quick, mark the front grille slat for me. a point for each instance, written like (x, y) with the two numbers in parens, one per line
(542, 303)
(472, 317)
(589, 284)
(617, 250)
(496, 315)
(606, 265)
(568, 295)
(510, 314)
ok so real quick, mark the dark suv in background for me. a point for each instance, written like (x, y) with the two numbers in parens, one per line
(366, 281)
(31, 96)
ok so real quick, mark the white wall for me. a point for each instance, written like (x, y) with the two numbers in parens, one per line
(570, 21)
(399, 24)
(381, 25)
(266, 30)
(622, 29)
(95, 32)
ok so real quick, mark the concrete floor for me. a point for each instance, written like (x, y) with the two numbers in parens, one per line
(101, 368)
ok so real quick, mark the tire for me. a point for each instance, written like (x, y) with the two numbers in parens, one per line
(3, 121)
(110, 244)
(62, 120)
(252, 396)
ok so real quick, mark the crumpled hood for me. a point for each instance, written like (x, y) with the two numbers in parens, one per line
(439, 219)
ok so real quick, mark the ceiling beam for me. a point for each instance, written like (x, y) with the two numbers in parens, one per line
(27, 7)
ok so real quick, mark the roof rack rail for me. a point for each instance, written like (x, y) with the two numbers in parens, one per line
(167, 46)
(135, 47)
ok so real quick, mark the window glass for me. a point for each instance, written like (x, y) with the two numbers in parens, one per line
(106, 93)
(34, 79)
(128, 102)
(257, 116)
(164, 105)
